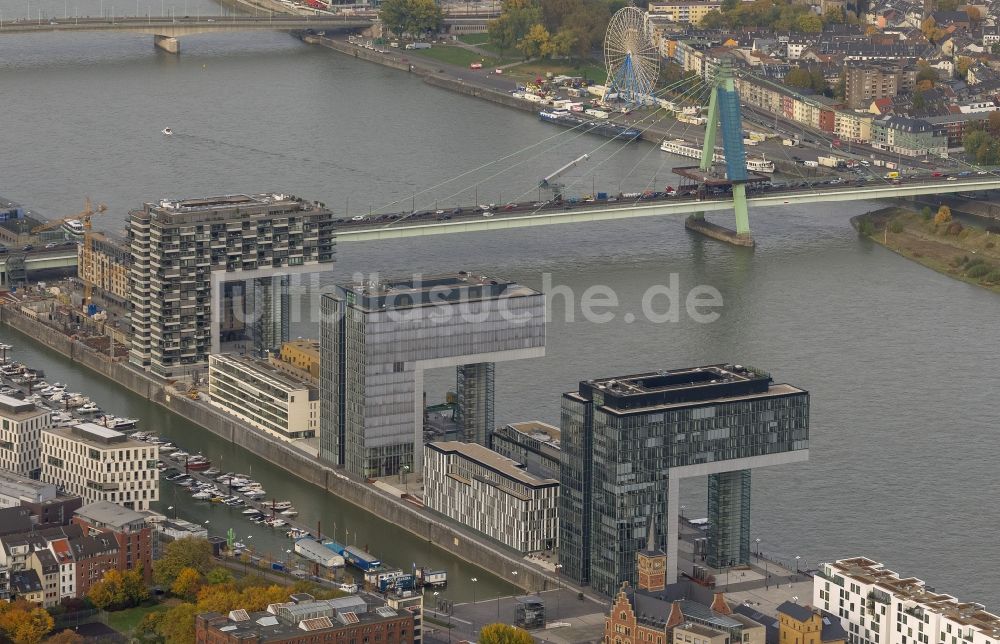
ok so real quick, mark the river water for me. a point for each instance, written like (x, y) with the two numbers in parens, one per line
(901, 362)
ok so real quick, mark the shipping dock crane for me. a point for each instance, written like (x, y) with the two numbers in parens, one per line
(84, 218)
(550, 181)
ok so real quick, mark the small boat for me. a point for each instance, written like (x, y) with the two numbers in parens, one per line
(257, 518)
(276, 522)
(290, 512)
(209, 472)
(251, 511)
(255, 495)
(239, 545)
(197, 464)
(202, 496)
(167, 131)
(88, 408)
(281, 505)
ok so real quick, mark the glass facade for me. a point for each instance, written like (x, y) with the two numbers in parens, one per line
(620, 446)
(372, 361)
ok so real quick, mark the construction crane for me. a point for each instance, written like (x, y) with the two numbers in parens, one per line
(83, 217)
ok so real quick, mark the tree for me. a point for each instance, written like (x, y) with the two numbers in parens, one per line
(65, 637)
(218, 575)
(993, 123)
(118, 590)
(835, 15)
(187, 583)
(25, 623)
(810, 24)
(177, 624)
(503, 634)
(513, 23)
(412, 17)
(927, 27)
(179, 554)
(974, 14)
(713, 20)
(943, 215)
(962, 66)
(927, 73)
(798, 77)
(536, 43)
(947, 5)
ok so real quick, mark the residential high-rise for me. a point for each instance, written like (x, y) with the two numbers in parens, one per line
(378, 337)
(186, 253)
(21, 425)
(100, 464)
(629, 441)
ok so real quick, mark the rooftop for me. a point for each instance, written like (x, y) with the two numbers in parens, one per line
(223, 201)
(641, 393)
(490, 459)
(15, 409)
(96, 435)
(429, 290)
(110, 515)
(540, 431)
(262, 370)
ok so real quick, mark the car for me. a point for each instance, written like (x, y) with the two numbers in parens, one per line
(27, 248)
(51, 245)
(438, 212)
(487, 214)
(937, 174)
(981, 172)
(357, 217)
(952, 179)
(456, 211)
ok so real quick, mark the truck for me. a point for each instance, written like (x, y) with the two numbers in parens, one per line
(891, 175)
(830, 162)
(418, 45)
(811, 164)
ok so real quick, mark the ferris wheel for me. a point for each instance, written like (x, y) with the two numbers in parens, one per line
(632, 59)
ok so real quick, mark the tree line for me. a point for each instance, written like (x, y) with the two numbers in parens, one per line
(552, 28)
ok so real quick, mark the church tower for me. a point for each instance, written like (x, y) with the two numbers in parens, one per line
(652, 563)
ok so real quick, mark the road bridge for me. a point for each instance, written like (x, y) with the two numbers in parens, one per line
(166, 30)
(17, 267)
(476, 221)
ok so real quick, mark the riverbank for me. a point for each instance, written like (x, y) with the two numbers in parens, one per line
(450, 538)
(960, 250)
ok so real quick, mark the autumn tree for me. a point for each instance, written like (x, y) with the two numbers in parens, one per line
(176, 625)
(187, 583)
(962, 66)
(412, 17)
(943, 215)
(65, 637)
(536, 43)
(993, 123)
(503, 634)
(810, 24)
(180, 554)
(218, 575)
(25, 623)
(118, 590)
(513, 24)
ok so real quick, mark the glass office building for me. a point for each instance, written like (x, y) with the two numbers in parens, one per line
(377, 338)
(628, 442)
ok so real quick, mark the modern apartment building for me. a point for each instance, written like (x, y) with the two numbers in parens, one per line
(877, 606)
(378, 337)
(533, 443)
(866, 83)
(21, 425)
(214, 266)
(259, 394)
(299, 358)
(105, 265)
(687, 11)
(492, 494)
(100, 464)
(629, 441)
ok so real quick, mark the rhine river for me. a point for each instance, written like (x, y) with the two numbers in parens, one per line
(901, 362)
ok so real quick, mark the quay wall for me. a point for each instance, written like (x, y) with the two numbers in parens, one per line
(421, 523)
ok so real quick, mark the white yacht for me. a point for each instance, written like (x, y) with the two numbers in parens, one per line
(167, 131)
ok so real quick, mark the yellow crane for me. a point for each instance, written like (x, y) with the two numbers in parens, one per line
(83, 217)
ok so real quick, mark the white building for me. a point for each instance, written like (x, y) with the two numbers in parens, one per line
(263, 396)
(492, 494)
(100, 464)
(876, 606)
(21, 425)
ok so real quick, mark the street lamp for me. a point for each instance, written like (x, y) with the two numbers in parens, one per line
(797, 563)
(758, 548)
(474, 580)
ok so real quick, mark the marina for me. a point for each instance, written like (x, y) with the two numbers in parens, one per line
(192, 473)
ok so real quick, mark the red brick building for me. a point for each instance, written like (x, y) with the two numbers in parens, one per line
(129, 528)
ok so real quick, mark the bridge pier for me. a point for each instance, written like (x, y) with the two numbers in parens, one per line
(698, 224)
(168, 44)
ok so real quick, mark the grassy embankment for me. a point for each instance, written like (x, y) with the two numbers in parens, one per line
(530, 70)
(967, 253)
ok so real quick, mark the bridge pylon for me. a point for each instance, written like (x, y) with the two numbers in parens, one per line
(724, 114)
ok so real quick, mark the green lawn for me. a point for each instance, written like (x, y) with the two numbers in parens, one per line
(594, 71)
(124, 621)
(475, 39)
(455, 56)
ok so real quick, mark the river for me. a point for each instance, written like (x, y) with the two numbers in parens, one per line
(901, 362)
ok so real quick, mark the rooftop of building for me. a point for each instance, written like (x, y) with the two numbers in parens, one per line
(913, 592)
(97, 435)
(13, 483)
(110, 515)
(25, 582)
(222, 202)
(306, 345)
(14, 409)
(493, 461)
(538, 430)
(429, 290)
(224, 208)
(302, 614)
(263, 370)
(641, 393)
